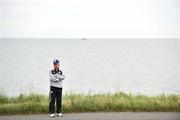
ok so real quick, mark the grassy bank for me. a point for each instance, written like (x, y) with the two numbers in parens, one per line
(33, 103)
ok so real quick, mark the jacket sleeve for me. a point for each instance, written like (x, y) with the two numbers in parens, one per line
(61, 77)
(52, 77)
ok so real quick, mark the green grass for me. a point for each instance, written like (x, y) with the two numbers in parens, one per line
(35, 104)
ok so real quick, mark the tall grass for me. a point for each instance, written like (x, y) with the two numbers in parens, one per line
(33, 103)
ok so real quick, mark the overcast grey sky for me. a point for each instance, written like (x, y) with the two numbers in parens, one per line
(90, 18)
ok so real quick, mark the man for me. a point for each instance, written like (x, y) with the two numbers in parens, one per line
(56, 76)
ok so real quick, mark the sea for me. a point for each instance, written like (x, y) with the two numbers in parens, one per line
(91, 65)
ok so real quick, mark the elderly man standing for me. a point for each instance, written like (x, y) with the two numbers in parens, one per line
(56, 77)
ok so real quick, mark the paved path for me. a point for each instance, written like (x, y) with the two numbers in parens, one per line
(101, 116)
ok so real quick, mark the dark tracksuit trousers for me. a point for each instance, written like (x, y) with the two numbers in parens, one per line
(55, 96)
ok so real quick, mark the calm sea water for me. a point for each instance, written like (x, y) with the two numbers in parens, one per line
(139, 66)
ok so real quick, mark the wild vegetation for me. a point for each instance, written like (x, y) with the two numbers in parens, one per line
(118, 102)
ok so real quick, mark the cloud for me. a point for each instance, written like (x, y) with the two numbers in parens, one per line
(91, 18)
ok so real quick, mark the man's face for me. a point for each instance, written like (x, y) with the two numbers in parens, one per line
(56, 66)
